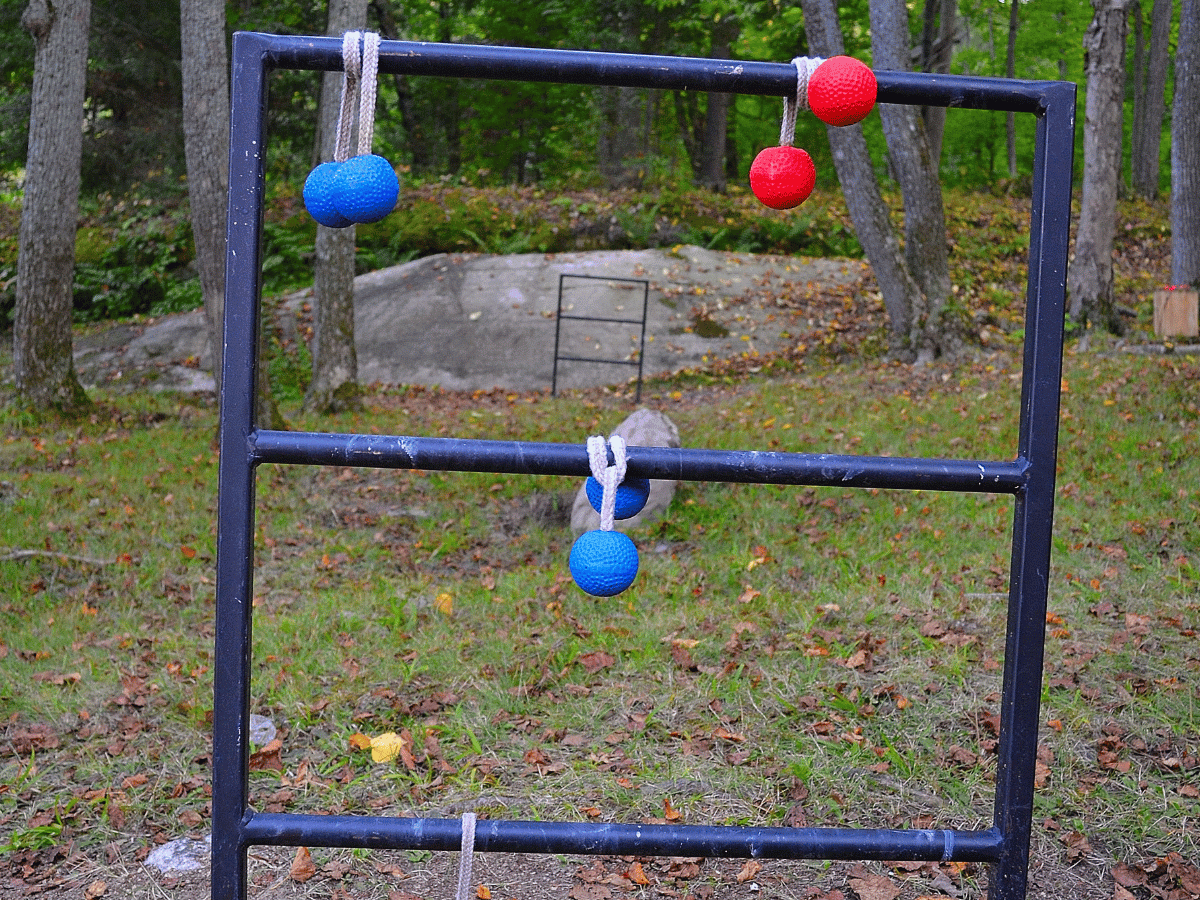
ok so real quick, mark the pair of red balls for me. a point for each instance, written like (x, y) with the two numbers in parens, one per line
(840, 92)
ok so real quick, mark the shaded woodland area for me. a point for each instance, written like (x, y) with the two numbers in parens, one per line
(155, 78)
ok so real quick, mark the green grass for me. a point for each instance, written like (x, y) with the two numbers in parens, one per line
(826, 654)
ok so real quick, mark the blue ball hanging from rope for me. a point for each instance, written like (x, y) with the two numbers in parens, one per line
(632, 494)
(365, 188)
(603, 563)
(320, 198)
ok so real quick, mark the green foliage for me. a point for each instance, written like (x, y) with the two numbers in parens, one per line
(288, 254)
(140, 270)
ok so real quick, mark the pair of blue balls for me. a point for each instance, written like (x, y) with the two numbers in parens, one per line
(604, 563)
(361, 190)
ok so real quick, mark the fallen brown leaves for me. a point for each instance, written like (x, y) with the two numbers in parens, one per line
(1169, 877)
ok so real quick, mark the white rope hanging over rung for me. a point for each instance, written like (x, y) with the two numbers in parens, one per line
(360, 62)
(609, 477)
(466, 857)
(805, 66)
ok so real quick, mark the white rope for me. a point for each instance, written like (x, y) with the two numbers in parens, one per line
(366, 95)
(805, 66)
(608, 476)
(466, 857)
(351, 64)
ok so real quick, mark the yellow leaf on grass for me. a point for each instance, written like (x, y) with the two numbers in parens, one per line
(360, 741)
(444, 603)
(386, 747)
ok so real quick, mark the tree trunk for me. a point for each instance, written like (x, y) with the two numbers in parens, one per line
(716, 115)
(42, 350)
(1137, 68)
(619, 147)
(1185, 151)
(205, 67)
(1150, 102)
(939, 33)
(864, 200)
(450, 107)
(691, 128)
(1010, 71)
(926, 249)
(414, 128)
(1090, 281)
(334, 386)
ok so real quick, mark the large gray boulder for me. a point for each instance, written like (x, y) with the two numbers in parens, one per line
(644, 428)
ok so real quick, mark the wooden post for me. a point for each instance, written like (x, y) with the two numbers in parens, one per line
(1176, 313)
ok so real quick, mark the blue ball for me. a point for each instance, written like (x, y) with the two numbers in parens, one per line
(319, 196)
(365, 188)
(603, 563)
(632, 494)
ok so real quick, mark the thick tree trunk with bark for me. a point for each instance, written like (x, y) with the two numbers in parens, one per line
(42, 348)
(1090, 281)
(334, 386)
(1185, 151)
(926, 249)
(864, 200)
(205, 67)
(1149, 103)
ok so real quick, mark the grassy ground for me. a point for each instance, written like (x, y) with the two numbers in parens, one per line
(785, 656)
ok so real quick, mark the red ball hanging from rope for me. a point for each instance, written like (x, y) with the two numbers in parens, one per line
(782, 177)
(842, 91)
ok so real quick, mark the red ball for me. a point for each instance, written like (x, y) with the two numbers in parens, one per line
(782, 177)
(842, 91)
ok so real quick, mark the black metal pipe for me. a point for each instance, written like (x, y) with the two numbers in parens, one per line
(637, 70)
(679, 464)
(378, 832)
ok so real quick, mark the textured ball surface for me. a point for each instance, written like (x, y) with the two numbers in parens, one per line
(782, 177)
(603, 563)
(842, 91)
(365, 188)
(319, 196)
(632, 494)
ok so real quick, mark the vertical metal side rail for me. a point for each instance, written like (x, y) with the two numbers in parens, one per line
(557, 336)
(1033, 513)
(235, 513)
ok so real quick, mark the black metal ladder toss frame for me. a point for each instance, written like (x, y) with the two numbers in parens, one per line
(1029, 476)
(560, 317)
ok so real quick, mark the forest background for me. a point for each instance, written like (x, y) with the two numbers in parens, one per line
(134, 251)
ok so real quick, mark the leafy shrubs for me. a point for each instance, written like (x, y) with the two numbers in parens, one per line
(457, 219)
(134, 260)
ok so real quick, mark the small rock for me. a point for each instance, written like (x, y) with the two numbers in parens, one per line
(181, 855)
(644, 428)
(262, 730)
